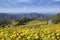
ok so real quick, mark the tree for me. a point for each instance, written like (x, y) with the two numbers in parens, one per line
(23, 20)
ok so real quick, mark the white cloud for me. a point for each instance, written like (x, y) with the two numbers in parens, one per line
(22, 0)
(15, 2)
(27, 10)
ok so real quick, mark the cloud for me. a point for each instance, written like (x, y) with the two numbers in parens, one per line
(28, 10)
(22, 0)
(24, 6)
(24, 3)
(19, 1)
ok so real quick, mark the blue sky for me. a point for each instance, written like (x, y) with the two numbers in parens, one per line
(18, 6)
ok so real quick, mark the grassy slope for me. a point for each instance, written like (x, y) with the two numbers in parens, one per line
(34, 22)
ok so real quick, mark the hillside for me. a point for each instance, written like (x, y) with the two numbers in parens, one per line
(56, 19)
(33, 23)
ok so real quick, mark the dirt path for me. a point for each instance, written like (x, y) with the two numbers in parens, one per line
(35, 26)
(49, 22)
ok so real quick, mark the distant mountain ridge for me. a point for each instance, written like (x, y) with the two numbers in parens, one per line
(7, 16)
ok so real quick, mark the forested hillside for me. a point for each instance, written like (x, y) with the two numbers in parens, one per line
(56, 19)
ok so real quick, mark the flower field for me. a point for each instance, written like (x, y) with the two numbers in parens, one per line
(51, 32)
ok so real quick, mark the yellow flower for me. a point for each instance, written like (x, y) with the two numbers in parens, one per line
(28, 37)
(58, 30)
(8, 38)
(35, 34)
(37, 37)
(42, 35)
(58, 37)
(53, 37)
(31, 34)
(2, 39)
(18, 37)
(53, 34)
(1, 33)
(44, 38)
(13, 35)
(48, 31)
(14, 32)
(58, 34)
(5, 34)
(22, 34)
(48, 36)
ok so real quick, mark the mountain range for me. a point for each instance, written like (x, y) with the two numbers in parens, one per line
(8, 16)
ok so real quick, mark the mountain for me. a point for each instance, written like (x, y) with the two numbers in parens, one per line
(8, 16)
